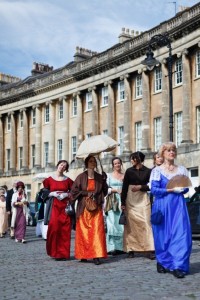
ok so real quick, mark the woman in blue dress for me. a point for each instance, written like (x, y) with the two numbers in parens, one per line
(114, 235)
(172, 235)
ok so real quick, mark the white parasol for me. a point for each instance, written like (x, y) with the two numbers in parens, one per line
(41, 176)
(96, 144)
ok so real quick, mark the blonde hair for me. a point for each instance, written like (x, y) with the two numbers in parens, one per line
(167, 146)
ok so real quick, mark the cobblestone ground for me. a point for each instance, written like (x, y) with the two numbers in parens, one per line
(28, 273)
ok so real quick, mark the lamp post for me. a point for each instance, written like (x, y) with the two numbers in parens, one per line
(151, 62)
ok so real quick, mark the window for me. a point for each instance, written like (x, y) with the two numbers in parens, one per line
(138, 86)
(20, 157)
(60, 149)
(74, 146)
(21, 119)
(105, 132)
(121, 139)
(178, 128)
(104, 92)
(60, 110)
(89, 101)
(121, 91)
(46, 153)
(138, 136)
(88, 135)
(46, 114)
(158, 79)
(198, 64)
(33, 116)
(198, 124)
(9, 123)
(28, 191)
(157, 133)
(33, 155)
(74, 107)
(178, 72)
(8, 159)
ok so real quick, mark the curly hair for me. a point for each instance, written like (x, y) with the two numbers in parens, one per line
(167, 146)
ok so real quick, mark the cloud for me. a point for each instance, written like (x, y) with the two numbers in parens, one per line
(48, 31)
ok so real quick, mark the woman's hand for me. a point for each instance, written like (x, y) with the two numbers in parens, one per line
(136, 188)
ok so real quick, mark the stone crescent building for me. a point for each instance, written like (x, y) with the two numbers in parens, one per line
(44, 117)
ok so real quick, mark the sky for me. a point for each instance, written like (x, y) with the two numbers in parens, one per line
(48, 31)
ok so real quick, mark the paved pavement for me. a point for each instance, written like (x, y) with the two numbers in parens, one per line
(26, 272)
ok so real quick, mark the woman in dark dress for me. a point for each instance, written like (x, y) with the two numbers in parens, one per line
(59, 227)
(138, 235)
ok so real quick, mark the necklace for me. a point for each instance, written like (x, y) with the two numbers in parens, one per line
(170, 168)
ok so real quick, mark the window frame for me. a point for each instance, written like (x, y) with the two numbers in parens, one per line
(138, 86)
(46, 153)
(47, 114)
(138, 135)
(104, 95)
(157, 133)
(158, 79)
(59, 149)
(178, 71)
(74, 106)
(61, 110)
(88, 99)
(178, 127)
(121, 91)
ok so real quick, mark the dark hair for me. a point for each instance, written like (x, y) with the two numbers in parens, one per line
(87, 160)
(138, 156)
(114, 158)
(63, 161)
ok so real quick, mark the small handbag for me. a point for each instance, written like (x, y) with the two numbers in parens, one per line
(90, 203)
(69, 210)
(122, 218)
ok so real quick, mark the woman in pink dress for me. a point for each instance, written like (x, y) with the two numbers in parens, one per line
(59, 226)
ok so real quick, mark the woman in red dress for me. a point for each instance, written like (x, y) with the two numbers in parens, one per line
(59, 227)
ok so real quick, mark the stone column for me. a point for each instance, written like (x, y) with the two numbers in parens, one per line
(25, 139)
(95, 111)
(1, 145)
(65, 127)
(13, 143)
(79, 118)
(38, 137)
(111, 110)
(127, 115)
(165, 102)
(186, 98)
(145, 112)
(52, 141)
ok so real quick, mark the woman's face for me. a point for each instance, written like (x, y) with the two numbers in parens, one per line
(169, 154)
(92, 163)
(20, 189)
(62, 167)
(158, 160)
(134, 161)
(117, 165)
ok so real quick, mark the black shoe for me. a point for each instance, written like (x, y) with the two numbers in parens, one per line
(161, 269)
(83, 260)
(131, 254)
(151, 256)
(61, 259)
(178, 274)
(96, 261)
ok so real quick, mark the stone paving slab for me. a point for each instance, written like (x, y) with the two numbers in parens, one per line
(27, 273)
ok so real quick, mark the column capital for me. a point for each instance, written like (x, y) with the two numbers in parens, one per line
(36, 106)
(199, 44)
(144, 69)
(76, 94)
(125, 76)
(185, 51)
(22, 109)
(11, 113)
(62, 98)
(179, 54)
(93, 88)
(48, 102)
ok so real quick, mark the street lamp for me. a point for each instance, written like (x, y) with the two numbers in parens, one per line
(150, 62)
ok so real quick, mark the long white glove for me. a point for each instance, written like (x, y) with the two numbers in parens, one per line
(53, 194)
(62, 196)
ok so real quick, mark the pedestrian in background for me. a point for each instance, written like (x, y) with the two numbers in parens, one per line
(19, 212)
(115, 231)
(3, 216)
(90, 240)
(138, 235)
(59, 226)
(172, 232)
(9, 207)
